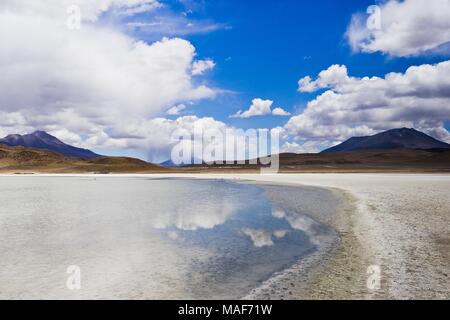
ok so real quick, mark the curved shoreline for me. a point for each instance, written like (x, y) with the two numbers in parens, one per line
(336, 270)
(399, 223)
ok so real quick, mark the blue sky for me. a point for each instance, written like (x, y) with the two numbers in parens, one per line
(131, 74)
(264, 47)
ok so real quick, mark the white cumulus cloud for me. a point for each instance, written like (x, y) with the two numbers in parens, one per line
(353, 106)
(201, 66)
(405, 28)
(280, 112)
(157, 137)
(260, 107)
(91, 81)
(294, 147)
(334, 75)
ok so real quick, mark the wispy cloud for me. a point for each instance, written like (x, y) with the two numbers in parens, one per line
(176, 110)
(173, 25)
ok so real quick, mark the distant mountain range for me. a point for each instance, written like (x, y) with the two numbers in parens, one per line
(398, 150)
(42, 140)
(171, 164)
(403, 138)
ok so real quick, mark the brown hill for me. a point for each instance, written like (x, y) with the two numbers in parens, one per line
(399, 160)
(370, 160)
(29, 160)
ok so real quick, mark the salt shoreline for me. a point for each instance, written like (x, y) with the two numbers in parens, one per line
(336, 269)
(399, 222)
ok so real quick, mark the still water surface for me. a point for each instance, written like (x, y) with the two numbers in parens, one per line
(141, 238)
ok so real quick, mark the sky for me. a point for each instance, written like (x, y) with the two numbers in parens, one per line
(121, 76)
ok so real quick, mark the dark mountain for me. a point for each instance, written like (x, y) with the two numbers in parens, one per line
(393, 139)
(42, 140)
(170, 164)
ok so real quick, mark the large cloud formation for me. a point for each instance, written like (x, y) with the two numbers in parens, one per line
(160, 135)
(89, 81)
(405, 28)
(353, 106)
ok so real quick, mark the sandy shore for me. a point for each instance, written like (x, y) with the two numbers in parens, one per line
(400, 222)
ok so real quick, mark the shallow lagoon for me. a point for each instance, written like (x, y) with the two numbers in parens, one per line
(141, 238)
